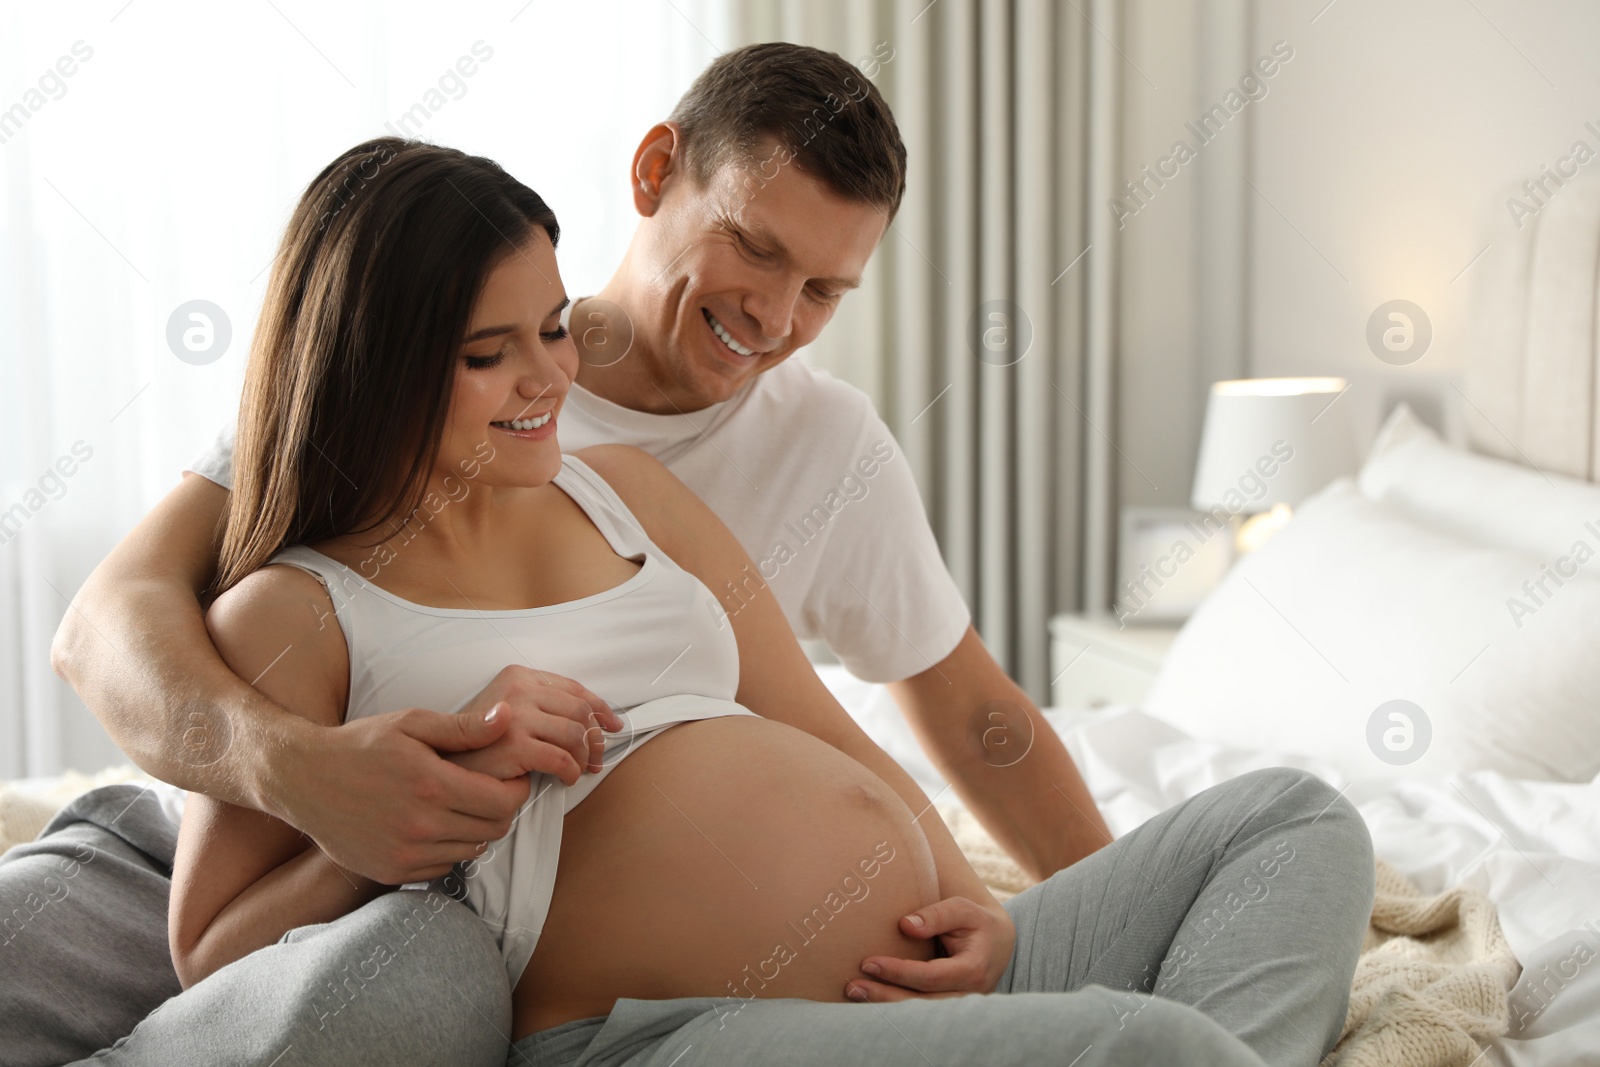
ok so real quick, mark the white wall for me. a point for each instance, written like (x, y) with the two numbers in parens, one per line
(1391, 143)
(1376, 167)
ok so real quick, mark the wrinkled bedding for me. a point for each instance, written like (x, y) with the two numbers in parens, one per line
(1533, 848)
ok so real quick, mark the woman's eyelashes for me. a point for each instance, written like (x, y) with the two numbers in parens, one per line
(486, 362)
(490, 362)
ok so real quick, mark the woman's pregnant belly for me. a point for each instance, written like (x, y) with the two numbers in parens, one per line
(732, 857)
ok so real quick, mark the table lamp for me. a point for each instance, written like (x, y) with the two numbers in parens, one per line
(1268, 443)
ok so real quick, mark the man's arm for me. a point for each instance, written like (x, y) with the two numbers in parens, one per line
(135, 647)
(1003, 758)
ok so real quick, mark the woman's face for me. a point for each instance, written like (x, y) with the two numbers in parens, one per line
(513, 371)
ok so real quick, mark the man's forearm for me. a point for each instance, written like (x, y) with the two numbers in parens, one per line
(1038, 809)
(1004, 759)
(140, 657)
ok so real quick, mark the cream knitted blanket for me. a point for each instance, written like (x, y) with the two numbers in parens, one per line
(1432, 982)
(23, 815)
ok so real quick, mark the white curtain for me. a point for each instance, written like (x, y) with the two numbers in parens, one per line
(983, 331)
(151, 154)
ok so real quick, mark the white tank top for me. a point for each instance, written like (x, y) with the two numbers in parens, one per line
(657, 648)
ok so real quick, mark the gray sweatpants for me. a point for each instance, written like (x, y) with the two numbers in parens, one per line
(410, 978)
(1240, 910)
(1223, 931)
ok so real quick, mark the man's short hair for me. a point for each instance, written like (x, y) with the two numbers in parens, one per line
(817, 108)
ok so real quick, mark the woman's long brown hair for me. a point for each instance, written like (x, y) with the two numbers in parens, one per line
(353, 359)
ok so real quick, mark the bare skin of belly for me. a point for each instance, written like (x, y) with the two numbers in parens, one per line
(728, 857)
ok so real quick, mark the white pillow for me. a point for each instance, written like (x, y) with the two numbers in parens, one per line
(1486, 501)
(1353, 605)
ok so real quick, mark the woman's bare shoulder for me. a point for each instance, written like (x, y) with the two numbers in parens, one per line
(277, 630)
(273, 595)
(623, 462)
(668, 509)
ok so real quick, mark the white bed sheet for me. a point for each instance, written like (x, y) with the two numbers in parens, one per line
(1532, 847)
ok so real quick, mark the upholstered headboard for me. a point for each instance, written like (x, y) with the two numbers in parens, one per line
(1533, 357)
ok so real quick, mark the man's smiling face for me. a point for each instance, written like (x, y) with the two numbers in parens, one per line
(741, 272)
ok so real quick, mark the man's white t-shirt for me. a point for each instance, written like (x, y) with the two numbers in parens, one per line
(808, 477)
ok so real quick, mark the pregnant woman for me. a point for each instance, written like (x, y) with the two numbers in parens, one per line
(713, 856)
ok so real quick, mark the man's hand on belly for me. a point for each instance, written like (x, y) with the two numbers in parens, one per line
(979, 942)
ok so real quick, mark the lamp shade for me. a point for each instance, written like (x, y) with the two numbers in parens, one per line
(1271, 441)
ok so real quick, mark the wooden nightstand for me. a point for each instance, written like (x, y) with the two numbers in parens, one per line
(1093, 663)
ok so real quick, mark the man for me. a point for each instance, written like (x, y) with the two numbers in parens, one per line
(761, 201)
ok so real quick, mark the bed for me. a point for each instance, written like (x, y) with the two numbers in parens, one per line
(1531, 847)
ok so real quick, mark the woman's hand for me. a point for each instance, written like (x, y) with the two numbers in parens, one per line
(977, 940)
(555, 726)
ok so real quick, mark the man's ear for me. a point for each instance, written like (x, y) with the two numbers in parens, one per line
(656, 162)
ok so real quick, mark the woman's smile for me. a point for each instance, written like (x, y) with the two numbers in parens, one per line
(535, 428)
